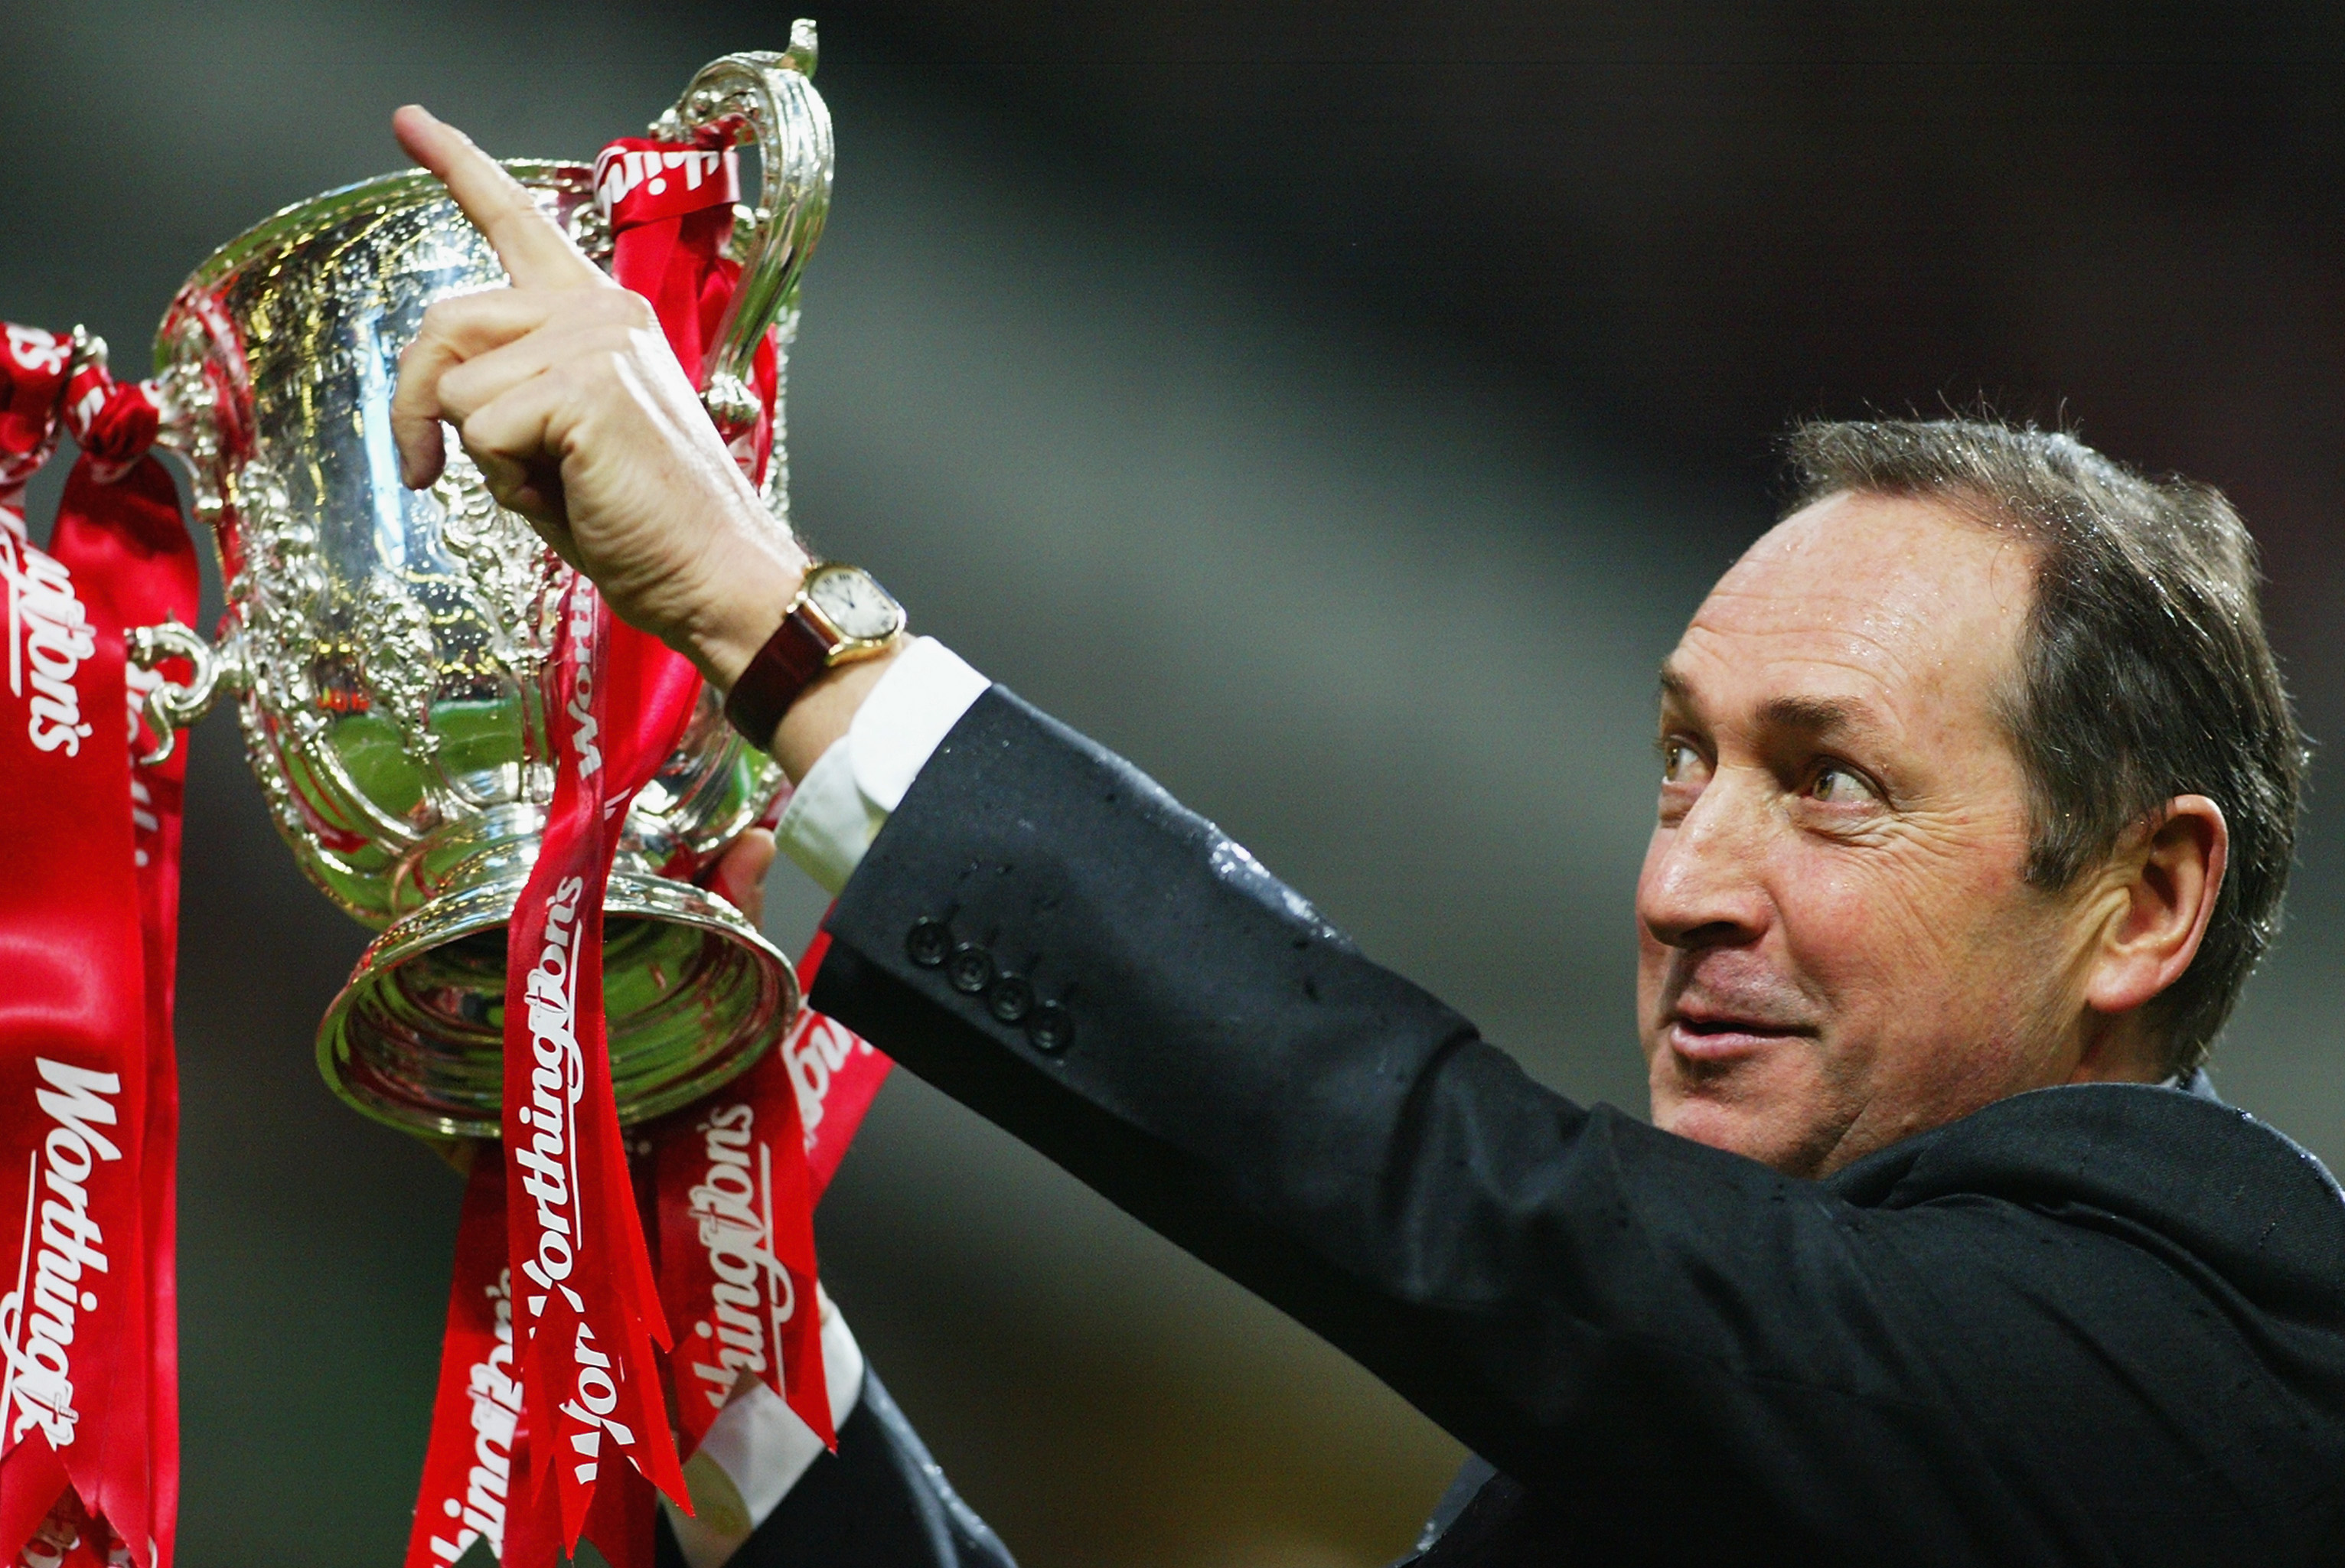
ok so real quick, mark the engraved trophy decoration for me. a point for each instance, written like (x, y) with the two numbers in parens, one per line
(388, 649)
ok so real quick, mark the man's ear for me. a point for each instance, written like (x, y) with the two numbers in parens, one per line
(2169, 875)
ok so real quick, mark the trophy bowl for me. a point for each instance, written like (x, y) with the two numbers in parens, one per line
(390, 650)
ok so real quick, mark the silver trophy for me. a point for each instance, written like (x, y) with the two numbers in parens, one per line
(388, 650)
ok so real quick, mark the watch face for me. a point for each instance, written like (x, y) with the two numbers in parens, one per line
(851, 600)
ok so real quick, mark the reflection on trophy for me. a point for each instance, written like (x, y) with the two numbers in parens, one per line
(389, 649)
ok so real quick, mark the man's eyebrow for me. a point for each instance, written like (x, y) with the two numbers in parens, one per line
(1820, 715)
(1817, 716)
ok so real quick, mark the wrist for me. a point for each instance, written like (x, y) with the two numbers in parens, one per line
(748, 591)
(794, 647)
(824, 712)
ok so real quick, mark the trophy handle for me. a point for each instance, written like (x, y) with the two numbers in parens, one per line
(171, 707)
(769, 96)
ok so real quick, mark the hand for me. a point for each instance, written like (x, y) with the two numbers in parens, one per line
(739, 875)
(564, 393)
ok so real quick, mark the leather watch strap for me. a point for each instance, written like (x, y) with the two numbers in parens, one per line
(785, 667)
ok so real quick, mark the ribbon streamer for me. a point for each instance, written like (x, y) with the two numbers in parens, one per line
(581, 1300)
(88, 926)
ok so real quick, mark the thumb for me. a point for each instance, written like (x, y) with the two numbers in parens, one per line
(740, 877)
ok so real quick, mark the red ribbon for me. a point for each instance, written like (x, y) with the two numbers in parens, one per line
(583, 1301)
(819, 1082)
(88, 923)
(670, 206)
(738, 1177)
(835, 1073)
(587, 1305)
(468, 1471)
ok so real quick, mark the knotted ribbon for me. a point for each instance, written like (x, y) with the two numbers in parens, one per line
(88, 927)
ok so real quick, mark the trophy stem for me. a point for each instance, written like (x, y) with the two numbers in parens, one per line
(693, 993)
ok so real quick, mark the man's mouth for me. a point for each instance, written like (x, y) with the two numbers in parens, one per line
(1721, 1037)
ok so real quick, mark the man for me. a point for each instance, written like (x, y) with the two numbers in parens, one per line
(1979, 792)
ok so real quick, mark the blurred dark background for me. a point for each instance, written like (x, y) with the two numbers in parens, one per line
(1338, 409)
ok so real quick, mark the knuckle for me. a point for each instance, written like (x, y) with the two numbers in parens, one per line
(492, 437)
(630, 309)
(509, 209)
(441, 319)
(612, 341)
(603, 366)
(452, 396)
(584, 311)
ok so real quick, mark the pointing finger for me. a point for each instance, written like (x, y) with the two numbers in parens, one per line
(535, 253)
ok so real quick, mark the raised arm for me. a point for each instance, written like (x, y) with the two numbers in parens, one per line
(1676, 1340)
(1676, 1349)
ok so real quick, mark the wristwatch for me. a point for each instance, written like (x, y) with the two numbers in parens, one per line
(840, 614)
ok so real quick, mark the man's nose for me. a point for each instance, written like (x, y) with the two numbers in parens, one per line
(1702, 885)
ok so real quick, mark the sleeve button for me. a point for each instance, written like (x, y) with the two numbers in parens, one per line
(971, 968)
(1050, 1029)
(929, 940)
(1010, 999)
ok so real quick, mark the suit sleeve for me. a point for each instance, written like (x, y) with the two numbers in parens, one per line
(1601, 1309)
(880, 1502)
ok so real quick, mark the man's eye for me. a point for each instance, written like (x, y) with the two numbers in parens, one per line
(1836, 785)
(1677, 761)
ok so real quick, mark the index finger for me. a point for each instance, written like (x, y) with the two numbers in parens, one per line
(536, 253)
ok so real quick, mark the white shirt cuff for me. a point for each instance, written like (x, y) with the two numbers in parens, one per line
(758, 1449)
(844, 799)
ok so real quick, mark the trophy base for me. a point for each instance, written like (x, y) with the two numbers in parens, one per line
(694, 996)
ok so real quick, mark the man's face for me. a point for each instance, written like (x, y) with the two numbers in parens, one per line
(1837, 947)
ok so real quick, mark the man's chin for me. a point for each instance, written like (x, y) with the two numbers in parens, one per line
(1773, 1122)
(1707, 1120)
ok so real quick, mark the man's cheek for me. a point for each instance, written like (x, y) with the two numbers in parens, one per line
(1857, 931)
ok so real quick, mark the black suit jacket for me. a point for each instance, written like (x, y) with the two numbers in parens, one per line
(2092, 1325)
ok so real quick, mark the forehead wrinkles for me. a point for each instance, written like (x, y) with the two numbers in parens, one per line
(1868, 637)
(1902, 594)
